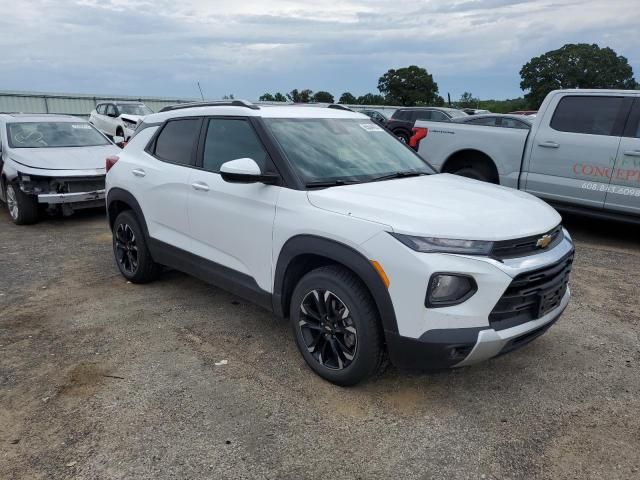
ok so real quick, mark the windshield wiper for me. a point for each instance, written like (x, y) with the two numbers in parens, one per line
(329, 183)
(405, 174)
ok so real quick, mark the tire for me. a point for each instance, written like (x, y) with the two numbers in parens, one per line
(352, 344)
(131, 251)
(472, 173)
(23, 208)
(402, 136)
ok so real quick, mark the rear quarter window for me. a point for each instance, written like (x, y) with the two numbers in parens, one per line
(595, 115)
(176, 141)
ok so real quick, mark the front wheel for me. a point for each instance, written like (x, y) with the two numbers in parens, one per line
(131, 251)
(337, 326)
(23, 208)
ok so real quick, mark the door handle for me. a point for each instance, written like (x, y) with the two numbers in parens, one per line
(632, 153)
(200, 186)
(138, 172)
(549, 144)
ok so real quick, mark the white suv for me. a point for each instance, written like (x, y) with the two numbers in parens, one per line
(118, 119)
(325, 218)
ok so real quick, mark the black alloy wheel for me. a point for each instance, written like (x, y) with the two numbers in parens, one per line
(327, 329)
(126, 249)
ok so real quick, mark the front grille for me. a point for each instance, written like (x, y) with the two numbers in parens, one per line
(78, 184)
(521, 247)
(531, 295)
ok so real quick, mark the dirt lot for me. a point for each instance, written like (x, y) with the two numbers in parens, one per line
(104, 379)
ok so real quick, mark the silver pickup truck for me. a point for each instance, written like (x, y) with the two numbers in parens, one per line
(581, 154)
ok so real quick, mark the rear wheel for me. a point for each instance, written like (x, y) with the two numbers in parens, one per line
(472, 173)
(336, 325)
(402, 136)
(23, 208)
(131, 251)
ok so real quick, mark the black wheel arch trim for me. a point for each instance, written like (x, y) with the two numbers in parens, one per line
(120, 195)
(339, 253)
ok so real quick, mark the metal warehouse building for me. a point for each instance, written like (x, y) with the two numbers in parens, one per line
(72, 104)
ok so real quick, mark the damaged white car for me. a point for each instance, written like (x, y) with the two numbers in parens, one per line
(118, 119)
(51, 162)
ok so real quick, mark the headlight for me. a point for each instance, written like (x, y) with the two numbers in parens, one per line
(447, 289)
(445, 245)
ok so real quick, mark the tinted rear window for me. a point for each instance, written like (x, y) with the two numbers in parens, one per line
(176, 141)
(590, 115)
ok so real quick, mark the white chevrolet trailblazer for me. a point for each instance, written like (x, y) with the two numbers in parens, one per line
(325, 218)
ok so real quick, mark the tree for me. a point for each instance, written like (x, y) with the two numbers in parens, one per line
(267, 97)
(322, 97)
(303, 96)
(408, 86)
(228, 97)
(575, 66)
(370, 99)
(348, 98)
(467, 100)
(278, 97)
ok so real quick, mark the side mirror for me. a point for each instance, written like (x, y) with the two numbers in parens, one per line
(245, 170)
(119, 141)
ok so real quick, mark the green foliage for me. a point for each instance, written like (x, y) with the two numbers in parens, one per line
(370, 99)
(503, 106)
(297, 96)
(348, 98)
(408, 86)
(575, 66)
(467, 100)
(267, 97)
(228, 97)
(322, 97)
(278, 97)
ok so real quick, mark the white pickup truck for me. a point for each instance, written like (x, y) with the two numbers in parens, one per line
(581, 154)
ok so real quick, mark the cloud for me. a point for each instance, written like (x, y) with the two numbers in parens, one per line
(163, 47)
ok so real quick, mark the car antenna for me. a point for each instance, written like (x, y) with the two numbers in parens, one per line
(200, 88)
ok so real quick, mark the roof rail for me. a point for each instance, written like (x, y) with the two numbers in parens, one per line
(220, 103)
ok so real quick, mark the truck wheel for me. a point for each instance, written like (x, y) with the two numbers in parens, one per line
(336, 326)
(23, 208)
(403, 137)
(131, 252)
(472, 173)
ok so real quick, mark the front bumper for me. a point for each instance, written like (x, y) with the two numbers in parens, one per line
(59, 198)
(459, 347)
(467, 333)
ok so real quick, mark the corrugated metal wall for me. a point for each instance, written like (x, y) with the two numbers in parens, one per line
(71, 104)
(82, 104)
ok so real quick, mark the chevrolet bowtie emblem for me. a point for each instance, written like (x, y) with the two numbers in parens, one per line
(544, 241)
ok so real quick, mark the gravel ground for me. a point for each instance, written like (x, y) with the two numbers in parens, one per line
(103, 379)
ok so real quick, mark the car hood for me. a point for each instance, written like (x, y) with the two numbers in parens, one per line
(64, 158)
(442, 205)
(132, 118)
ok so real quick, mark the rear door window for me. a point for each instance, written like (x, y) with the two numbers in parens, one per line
(422, 115)
(230, 139)
(437, 116)
(176, 141)
(589, 115)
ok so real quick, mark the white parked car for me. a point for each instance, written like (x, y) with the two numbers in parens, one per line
(118, 119)
(323, 217)
(54, 161)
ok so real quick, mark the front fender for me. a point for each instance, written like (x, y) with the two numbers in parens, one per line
(341, 254)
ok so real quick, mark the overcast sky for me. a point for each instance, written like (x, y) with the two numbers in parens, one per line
(248, 47)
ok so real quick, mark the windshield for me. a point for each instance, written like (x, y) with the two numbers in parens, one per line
(53, 134)
(329, 149)
(457, 113)
(134, 109)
